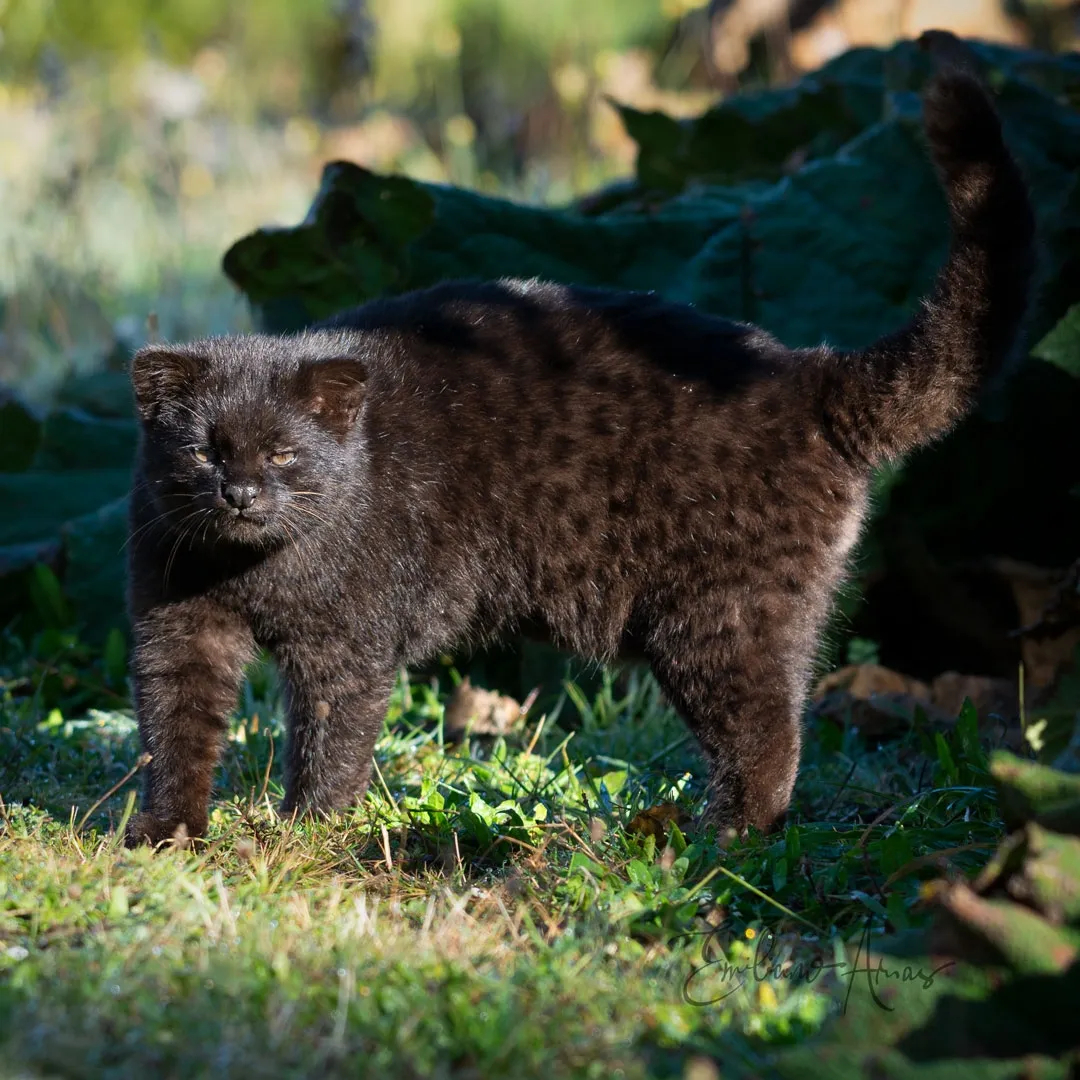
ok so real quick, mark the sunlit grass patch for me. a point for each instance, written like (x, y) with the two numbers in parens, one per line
(541, 903)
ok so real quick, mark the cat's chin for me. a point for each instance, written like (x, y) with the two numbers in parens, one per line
(245, 528)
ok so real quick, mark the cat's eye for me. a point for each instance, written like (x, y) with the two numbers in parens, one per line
(283, 457)
(201, 454)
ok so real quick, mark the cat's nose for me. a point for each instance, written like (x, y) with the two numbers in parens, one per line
(240, 495)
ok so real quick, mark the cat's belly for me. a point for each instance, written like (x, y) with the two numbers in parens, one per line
(628, 648)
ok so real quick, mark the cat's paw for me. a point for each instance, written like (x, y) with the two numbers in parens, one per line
(732, 826)
(145, 829)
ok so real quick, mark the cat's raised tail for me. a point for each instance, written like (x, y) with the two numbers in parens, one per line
(909, 388)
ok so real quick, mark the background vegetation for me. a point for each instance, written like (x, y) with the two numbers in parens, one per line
(525, 893)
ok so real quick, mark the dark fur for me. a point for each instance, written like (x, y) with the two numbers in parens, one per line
(624, 471)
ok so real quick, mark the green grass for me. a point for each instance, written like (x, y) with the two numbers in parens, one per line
(487, 912)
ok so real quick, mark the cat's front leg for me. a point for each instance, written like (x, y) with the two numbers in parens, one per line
(337, 704)
(187, 666)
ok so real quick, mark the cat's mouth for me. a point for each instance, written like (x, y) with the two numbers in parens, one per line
(234, 522)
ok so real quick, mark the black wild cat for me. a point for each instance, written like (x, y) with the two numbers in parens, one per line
(445, 465)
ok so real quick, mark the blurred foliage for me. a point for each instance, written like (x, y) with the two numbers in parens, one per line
(313, 55)
(135, 136)
(40, 36)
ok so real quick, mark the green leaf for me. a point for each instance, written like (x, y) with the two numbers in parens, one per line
(792, 844)
(37, 504)
(750, 137)
(115, 657)
(352, 245)
(1061, 346)
(614, 781)
(95, 575)
(73, 439)
(676, 840)
(945, 758)
(486, 813)
(580, 861)
(1051, 873)
(1027, 942)
(118, 902)
(1029, 791)
(779, 875)
(100, 393)
(48, 598)
(20, 434)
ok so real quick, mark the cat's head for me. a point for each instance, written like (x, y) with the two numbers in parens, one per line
(247, 439)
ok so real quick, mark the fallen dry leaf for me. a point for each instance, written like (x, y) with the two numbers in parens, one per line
(990, 696)
(882, 703)
(878, 701)
(1040, 594)
(481, 712)
(866, 680)
(656, 820)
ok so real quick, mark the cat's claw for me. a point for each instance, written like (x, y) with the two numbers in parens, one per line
(147, 830)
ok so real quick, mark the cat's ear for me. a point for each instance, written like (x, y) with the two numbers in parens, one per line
(333, 391)
(160, 374)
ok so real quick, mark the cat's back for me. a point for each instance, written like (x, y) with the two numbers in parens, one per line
(574, 393)
(577, 397)
(533, 344)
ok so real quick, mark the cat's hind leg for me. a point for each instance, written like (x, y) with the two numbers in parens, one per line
(741, 694)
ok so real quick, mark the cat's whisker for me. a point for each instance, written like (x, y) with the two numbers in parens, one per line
(160, 517)
(306, 510)
(295, 541)
(184, 529)
(295, 546)
(198, 527)
(206, 527)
